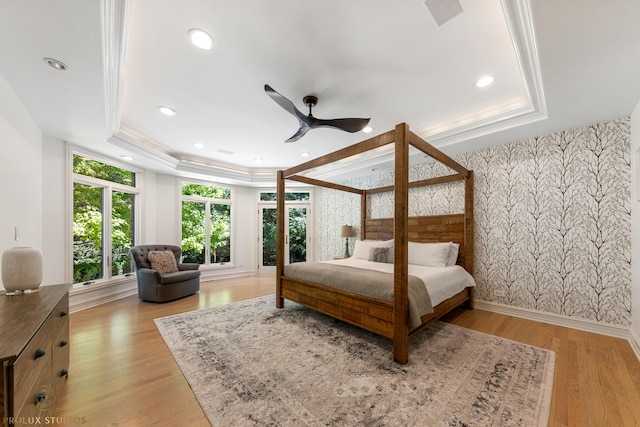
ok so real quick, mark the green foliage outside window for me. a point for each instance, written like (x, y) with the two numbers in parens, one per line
(288, 196)
(87, 233)
(96, 169)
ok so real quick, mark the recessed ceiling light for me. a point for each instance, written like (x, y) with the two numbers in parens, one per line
(198, 145)
(167, 111)
(484, 81)
(125, 157)
(200, 39)
(367, 129)
(305, 154)
(54, 63)
(258, 159)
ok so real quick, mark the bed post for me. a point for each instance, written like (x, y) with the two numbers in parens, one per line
(363, 215)
(468, 230)
(401, 246)
(280, 244)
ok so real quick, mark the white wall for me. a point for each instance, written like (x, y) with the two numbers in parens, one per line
(167, 211)
(55, 222)
(20, 173)
(149, 214)
(635, 226)
(245, 229)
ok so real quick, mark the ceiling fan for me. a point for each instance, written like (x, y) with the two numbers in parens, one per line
(309, 122)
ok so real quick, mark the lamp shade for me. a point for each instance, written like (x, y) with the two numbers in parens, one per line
(347, 231)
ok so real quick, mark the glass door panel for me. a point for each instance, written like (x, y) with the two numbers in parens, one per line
(269, 238)
(297, 246)
(296, 237)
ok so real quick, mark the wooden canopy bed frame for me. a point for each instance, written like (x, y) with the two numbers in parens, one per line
(389, 319)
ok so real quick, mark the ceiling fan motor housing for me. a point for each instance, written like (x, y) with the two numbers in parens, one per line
(310, 100)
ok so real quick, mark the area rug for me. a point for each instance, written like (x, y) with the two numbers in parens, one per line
(250, 363)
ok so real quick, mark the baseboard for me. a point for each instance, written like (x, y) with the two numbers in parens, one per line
(83, 299)
(208, 276)
(634, 340)
(556, 319)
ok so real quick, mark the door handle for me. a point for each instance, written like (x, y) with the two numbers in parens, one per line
(286, 239)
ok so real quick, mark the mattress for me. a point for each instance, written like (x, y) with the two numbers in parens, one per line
(441, 282)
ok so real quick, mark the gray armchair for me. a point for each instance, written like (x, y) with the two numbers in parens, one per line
(156, 287)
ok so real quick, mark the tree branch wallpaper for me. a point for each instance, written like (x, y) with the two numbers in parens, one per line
(552, 220)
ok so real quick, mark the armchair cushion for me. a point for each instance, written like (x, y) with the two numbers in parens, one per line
(163, 261)
(178, 276)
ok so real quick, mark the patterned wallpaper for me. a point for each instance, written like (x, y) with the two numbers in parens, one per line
(552, 220)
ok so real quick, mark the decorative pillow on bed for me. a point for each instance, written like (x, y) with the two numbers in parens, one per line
(163, 261)
(453, 254)
(379, 254)
(429, 254)
(361, 250)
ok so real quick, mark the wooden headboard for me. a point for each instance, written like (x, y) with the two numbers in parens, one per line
(425, 229)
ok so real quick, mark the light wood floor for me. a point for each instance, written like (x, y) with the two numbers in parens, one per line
(122, 373)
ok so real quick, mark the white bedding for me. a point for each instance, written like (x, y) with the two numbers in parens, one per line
(441, 282)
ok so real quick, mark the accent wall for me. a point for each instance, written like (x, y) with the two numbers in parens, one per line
(552, 220)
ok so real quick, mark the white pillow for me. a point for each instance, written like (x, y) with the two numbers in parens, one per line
(429, 254)
(361, 250)
(453, 254)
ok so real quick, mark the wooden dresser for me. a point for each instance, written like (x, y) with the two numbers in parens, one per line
(34, 353)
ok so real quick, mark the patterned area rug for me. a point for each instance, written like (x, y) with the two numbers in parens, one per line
(249, 363)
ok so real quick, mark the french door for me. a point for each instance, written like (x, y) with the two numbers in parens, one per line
(297, 238)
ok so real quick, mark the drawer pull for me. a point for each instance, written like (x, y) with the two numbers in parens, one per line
(39, 353)
(63, 343)
(63, 313)
(64, 373)
(40, 397)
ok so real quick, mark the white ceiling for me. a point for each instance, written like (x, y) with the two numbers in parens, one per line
(557, 64)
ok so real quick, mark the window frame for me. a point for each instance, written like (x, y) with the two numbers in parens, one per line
(108, 188)
(208, 201)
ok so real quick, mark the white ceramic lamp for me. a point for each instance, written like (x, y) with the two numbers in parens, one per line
(21, 270)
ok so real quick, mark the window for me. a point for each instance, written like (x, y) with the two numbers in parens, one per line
(104, 219)
(206, 224)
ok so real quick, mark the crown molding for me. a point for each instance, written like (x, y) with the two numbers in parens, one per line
(134, 143)
(115, 32)
(518, 17)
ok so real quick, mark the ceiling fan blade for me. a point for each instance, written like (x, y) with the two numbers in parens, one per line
(301, 132)
(443, 10)
(286, 104)
(348, 125)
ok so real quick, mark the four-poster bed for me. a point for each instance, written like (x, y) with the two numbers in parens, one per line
(386, 318)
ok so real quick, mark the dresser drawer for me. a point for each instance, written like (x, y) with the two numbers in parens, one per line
(60, 316)
(28, 367)
(40, 399)
(60, 358)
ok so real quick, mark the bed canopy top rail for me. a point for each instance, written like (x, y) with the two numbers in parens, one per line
(421, 183)
(436, 154)
(352, 150)
(319, 183)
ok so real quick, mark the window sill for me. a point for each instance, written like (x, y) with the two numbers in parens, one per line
(216, 267)
(79, 288)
